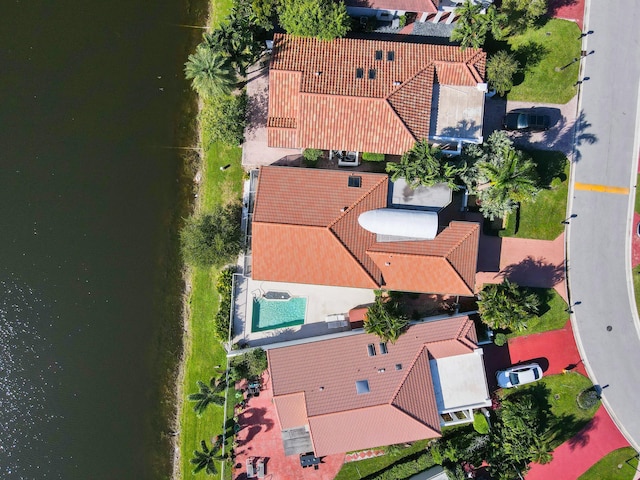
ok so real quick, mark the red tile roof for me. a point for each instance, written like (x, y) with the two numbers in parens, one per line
(401, 404)
(316, 101)
(300, 212)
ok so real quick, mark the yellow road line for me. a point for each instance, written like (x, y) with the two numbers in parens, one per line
(601, 188)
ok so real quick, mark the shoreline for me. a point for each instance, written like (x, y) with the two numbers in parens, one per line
(197, 165)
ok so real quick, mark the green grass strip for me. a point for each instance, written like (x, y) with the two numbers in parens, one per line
(620, 464)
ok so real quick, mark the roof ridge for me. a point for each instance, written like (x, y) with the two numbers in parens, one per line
(411, 365)
(348, 250)
(473, 226)
(406, 84)
(358, 201)
(473, 72)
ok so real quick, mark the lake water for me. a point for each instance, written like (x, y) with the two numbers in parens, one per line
(91, 191)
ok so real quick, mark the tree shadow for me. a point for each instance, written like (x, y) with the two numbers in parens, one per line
(549, 165)
(257, 108)
(555, 5)
(582, 135)
(465, 128)
(544, 296)
(581, 427)
(532, 272)
(529, 55)
(256, 416)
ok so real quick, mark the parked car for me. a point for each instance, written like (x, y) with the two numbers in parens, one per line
(519, 375)
(526, 121)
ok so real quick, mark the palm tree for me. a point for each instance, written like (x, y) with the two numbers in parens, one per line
(210, 72)
(507, 306)
(509, 181)
(424, 165)
(386, 320)
(208, 394)
(471, 28)
(541, 450)
(205, 459)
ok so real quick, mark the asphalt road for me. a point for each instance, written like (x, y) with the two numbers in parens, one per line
(605, 322)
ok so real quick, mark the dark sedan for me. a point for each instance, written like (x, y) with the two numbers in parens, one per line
(526, 121)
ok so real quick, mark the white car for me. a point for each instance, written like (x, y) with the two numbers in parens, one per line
(519, 375)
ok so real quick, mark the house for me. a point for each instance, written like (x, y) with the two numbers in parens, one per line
(356, 95)
(369, 8)
(354, 392)
(333, 227)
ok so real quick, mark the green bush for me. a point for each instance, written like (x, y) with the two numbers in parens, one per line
(213, 239)
(373, 157)
(223, 119)
(480, 423)
(588, 398)
(248, 365)
(500, 339)
(311, 156)
(223, 316)
(406, 468)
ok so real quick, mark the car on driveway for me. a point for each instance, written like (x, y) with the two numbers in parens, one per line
(519, 375)
(526, 121)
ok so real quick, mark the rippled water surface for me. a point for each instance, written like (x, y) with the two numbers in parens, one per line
(90, 193)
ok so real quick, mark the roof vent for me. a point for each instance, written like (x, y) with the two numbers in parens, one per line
(372, 74)
(387, 264)
(322, 389)
(397, 83)
(398, 366)
(378, 54)
(362, 386)
(318, 73)
(355, 181)
(359, 72)
(344, 209)
(381, 370)
(391, 56)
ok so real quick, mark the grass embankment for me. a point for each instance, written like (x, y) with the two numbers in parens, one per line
(620, 464)
(552, 314)
(203, 351)
(371, 466)
(540, 50)
(542, 218)
(558, 394)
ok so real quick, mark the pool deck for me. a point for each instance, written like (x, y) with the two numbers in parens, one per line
(321, 302)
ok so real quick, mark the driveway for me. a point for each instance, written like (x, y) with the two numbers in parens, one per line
(527, 262)
(559, 137)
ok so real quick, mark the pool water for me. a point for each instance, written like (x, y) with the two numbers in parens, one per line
(271, 314)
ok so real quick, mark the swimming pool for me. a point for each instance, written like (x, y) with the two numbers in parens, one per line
(270, 314)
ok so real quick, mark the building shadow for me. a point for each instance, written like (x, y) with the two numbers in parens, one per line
(490, 250)
(495, 358)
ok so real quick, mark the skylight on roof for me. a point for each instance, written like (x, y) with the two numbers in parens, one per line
(355, 181)
(391, 56)
(383, 348)
(359, 72)
(371, 348)
(362, 386)
(372, 74)
(378, 54)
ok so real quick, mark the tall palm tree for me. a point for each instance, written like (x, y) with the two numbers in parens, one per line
(507, 306)
(424, 165)
(210, 72)
(208, 394)
(471, 27)
(205, 459)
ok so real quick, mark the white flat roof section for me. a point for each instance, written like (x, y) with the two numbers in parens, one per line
(460, 382)
(456, 112)
(436, 197)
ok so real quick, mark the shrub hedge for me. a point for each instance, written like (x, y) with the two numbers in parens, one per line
(223, 286)
(373, 157)
(406, 468)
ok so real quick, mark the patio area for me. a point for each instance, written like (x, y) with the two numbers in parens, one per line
(260, 437)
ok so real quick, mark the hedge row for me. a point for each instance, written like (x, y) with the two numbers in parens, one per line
(223, 286)
(406, 468)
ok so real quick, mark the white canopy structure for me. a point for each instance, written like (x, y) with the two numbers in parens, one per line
(414, 224)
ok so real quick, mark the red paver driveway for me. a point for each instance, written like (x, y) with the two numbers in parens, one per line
(568, 10)
(527, 262)
(575, 456)
(260, 437)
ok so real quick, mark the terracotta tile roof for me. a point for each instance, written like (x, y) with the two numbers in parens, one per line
(384, 111)
(291, 410)
(299, 212)
(342, 420)
(428, 6)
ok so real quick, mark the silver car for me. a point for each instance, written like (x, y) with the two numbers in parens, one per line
(519, 375)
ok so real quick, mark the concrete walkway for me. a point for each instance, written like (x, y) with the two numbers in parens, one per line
(531, 263)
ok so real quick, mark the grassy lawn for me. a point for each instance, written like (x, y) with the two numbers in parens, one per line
(363, 468)
(558, 393)
(620, 464)
(636, 286)
(203, 350)
(540, 51)
(552, 316)
(542, 219)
